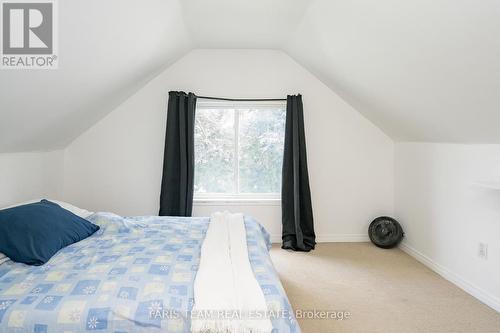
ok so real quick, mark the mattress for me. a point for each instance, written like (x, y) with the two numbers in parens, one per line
(136, 274)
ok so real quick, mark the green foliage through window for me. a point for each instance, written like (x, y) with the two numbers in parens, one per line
(239, 148)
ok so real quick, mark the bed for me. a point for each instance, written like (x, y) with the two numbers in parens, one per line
(116, 279)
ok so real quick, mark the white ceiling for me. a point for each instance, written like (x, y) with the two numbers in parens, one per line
(243, 23)
(107, 50)
(425, 70)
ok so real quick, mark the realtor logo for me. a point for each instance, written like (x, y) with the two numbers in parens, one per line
(28, 34)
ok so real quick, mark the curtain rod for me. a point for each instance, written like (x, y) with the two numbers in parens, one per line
(243, 99)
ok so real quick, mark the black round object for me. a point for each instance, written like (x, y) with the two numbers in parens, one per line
(385, 232)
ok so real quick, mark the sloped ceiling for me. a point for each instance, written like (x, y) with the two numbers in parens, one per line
(107, 50)
(426, 70)
(422, 70)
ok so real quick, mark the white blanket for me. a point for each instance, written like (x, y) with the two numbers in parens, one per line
(228, 298)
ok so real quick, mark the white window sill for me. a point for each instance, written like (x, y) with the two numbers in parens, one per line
(236, 202)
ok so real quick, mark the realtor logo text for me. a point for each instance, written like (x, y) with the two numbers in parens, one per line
(29, 34)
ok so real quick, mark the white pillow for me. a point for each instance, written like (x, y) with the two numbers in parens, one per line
(75, 210)
(3, 258)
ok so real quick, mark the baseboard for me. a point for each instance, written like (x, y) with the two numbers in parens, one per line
(454, 278)
(332, 238)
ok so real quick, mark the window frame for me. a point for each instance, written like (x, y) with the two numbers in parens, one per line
(237, 198)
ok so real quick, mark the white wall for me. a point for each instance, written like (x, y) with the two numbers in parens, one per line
(26, 176)
(445, 215)
(116, 165)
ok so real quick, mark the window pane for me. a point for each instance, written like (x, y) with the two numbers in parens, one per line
(261, 141)
(214, 151)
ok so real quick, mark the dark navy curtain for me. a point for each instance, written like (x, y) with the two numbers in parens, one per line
(297, 214)
(176, 198)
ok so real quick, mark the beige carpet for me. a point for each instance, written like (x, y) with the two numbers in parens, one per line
(384, 290)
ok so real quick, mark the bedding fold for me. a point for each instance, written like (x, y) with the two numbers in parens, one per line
(227, 296)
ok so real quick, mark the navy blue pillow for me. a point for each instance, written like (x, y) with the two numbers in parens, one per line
(33, 233)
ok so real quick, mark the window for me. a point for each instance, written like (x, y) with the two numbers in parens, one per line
(239, 149)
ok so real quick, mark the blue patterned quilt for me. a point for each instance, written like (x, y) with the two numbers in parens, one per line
(120, 279)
